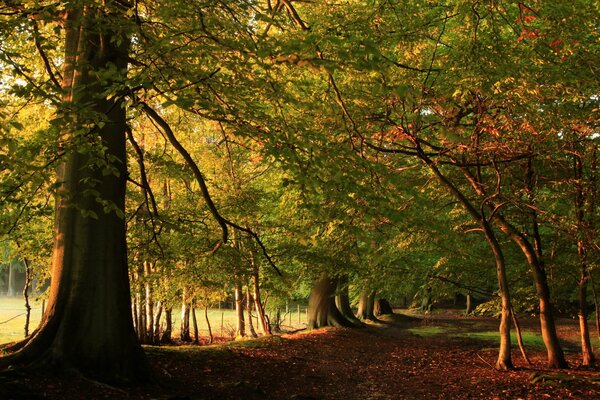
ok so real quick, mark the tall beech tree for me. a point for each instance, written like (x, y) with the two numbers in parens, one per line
(88, 325)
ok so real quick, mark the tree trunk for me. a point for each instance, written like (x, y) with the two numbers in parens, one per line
(134, 312)
(366, 305)
(258, 305)
(342, 301)
(26, 288)
(195, 324)
(184, 330)
(12, 286)
(469, 308)
(149, 339)
(504, 360)
(166, 335)
(249, 312)
(555, 355)
(322, 311)
(210, 335)
(587, 354)
(156, 329)
(88, 325)
(382, 307)
(519, 336)
(240, 330)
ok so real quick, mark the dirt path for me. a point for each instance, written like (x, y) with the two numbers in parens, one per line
(370, 363)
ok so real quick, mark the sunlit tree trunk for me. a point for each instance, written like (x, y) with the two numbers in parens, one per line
(555, 355)
(88, 324)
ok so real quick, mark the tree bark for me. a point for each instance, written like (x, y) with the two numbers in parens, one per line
(322, 310)
(88, 324)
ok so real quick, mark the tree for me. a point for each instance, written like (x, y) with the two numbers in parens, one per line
(88, 325)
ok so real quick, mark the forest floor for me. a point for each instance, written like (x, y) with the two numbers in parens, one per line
(438, 357)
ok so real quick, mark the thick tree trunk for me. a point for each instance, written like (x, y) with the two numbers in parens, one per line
(322, 311)
(88, 325)
(342, 301)
(366, 305)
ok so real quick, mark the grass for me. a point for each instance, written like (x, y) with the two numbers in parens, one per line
(222, 321)
(530, 339)
(12, 318)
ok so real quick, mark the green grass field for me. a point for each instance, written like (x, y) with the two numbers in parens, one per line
(222, 321)
(12, 318)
